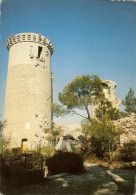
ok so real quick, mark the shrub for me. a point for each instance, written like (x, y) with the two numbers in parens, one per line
(66, 162)
(17, 151)
(100, 137)
(85, 149)
(12, 157)
(48, 151)
(113, 156)
(20, 176)
(128, 151)
(34, 160)
(22, 169)
(53, 135)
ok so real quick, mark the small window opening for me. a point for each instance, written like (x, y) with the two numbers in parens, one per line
(31, 52)
(39, 51)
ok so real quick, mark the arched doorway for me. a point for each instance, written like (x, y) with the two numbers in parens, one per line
(24, 145)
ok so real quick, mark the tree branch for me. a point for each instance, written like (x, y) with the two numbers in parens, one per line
(78, 114)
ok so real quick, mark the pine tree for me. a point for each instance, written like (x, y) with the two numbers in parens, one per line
(130, 102)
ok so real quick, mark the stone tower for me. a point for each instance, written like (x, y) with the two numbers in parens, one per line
(28, 92)
(109, 91)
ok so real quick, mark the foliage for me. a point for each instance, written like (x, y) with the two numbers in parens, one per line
(22, 169)
(130, 102)
(2, 126)
(59, 110)
(85, 147)
(128, 151)
(19, 175)
(114, 156)
(53, 135)
(16, 151)
(2, 139)
(47, 151)
(105, 107)
(31, 160)
(100, 137)
(34, 160)
(48, 137)
(79, 93)
(6, 142)
(123, 114)
(65, 162)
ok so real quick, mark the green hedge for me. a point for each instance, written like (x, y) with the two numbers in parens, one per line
(23, 169)
(65, 162)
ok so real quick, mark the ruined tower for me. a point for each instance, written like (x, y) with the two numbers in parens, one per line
(29, 87)
(109, 91)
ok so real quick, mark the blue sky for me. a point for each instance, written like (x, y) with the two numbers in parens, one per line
(90, 37)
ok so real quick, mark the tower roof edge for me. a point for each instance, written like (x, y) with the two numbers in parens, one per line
(29, 37)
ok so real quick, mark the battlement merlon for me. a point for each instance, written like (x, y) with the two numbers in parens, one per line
(29, 37)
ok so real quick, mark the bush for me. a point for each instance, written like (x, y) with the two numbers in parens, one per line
(65, 162)
(47, 151)
(22, 169)
(33, 161)
(128, 151)
(85, 149)
(12, 157)
(113, 156)
(19, 176)
(100, 137)
(17, 151)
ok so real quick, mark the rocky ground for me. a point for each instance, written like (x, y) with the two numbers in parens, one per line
(96, 180)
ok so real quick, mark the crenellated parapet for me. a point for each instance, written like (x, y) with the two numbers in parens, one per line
(29, 37)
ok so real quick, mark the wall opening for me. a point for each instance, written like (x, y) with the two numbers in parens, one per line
(39, 51)
(24, 145)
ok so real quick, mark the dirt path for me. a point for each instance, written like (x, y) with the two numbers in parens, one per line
(96, 180)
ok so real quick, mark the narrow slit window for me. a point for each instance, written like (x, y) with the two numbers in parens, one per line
(39, 51)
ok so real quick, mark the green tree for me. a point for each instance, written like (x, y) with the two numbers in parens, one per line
(105, 107)
(2, 126)
(130, 102)
(53, 135)
(79, 93)
(100, 137)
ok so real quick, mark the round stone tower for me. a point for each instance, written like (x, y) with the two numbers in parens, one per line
(29, 88)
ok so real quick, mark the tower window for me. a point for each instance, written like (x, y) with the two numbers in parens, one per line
(39, 51)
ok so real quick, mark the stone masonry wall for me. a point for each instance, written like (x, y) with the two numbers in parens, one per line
(28, 91)
(128, 125)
